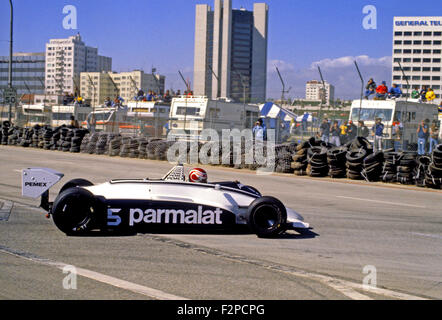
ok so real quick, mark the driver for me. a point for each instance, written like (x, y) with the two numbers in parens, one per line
(198, 175)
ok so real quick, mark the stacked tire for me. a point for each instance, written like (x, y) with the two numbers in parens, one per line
(284, 157)
(405, 169)
(114, 146)
(336, 159)
(317, 162)
(421, 170)
(78, 135)
(434, 173)
(355, 162)
(389, 168)
(372, 166)
(300, 161)
(47, 138)
(5, 132)
(102, 143)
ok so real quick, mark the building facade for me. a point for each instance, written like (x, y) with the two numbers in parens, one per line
(66, 59)
(230, 58)
(314, 88)
(97, 86)
(417, 46)
(28, 73)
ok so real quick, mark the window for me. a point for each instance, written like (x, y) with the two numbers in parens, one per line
(397, 41)
(416, 69)
(407, 59)
(415, 78)
(426, 69)
(427, 33)
(408, 33)
(397, 60)
(417, 42)
(436, 60)
(407, 51)
(417, 33)
(370, 114)
(426, 78)
(437, 42)
(398, 33)
(436, 51)
(396, 77)
(190, 111)
(417, 60)
(426, 60)
(407, 42)
(437, 33)
(436, 78)
(426, 51)
(427, 42)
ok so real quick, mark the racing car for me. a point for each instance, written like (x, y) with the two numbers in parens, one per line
(170, 202)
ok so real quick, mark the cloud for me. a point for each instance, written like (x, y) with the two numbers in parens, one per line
(340, 72)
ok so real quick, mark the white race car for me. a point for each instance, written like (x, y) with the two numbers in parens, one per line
(168, 203)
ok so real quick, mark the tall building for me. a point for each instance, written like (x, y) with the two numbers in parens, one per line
(417, 45)
(66, 59)
(230, 57)
(28, 72)
(97, 86)
(314, 88)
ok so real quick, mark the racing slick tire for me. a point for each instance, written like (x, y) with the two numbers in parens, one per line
(75, 211)
(76, 183)
(267, 217)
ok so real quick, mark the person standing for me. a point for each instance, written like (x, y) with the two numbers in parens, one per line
(422, 137)
(352, 131)
(423, 94)
(334, 132)
(382, 91)
(344, 132)
(258, 131)
(363, 131)
(433, 137)
(74, 122)
(397, 134)
(378, 132)
(430, 96)
(325, 130)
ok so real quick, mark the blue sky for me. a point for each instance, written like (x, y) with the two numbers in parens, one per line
(146, 33)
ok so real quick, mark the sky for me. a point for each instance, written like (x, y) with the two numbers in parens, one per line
(302, 34)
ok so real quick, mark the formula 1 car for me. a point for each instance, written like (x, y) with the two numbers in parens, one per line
(170, 202)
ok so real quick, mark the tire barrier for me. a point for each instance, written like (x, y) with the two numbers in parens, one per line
(315, 158)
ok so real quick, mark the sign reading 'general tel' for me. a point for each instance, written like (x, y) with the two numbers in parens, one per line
(419, 23)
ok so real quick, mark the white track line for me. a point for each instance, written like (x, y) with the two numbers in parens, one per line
(437, 236)
(386, 202)
(126, 285)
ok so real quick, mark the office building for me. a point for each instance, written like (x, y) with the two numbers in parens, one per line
(417, 46)
(28, 73)
(230, 58)
(314, 89)
(66, 59)
(97, 86)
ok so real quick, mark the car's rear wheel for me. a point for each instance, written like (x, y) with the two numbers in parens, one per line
(76, 183)
(75, 211)
(267, 217)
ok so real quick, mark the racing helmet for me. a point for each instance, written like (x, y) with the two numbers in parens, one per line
(198, 175)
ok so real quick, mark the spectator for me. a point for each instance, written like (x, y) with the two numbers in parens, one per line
(363, 131)
(344, 132)
(415, 93)
(370, 88)
(259, 131)
(423, 94)
(433, 136)
(178, 92)
(324, 129)
(430, 96)
(377, 132)
(79, 100)
(167, 97)
(352, 131)
(397, 134)
(91, 123)
(395, 91)
(422, 137)
(149, 96)
(74, 122)
(140, 94)
(108, 102)
(334, 132)
(382, 91)
(304, 121)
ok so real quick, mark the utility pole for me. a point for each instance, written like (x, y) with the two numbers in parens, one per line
(362, 93)
(323, 95)
(283, 91)
(185, 111)
(10, 57)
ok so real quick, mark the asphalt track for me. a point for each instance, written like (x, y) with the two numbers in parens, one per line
(390, 233)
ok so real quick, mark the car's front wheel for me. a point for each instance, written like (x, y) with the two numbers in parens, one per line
(267, 217)
(75, 211)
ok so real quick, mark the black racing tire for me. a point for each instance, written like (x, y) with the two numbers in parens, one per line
(266, 217)
(75, 211)
(76, 183)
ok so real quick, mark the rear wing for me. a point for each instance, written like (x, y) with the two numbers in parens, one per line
(37, 181)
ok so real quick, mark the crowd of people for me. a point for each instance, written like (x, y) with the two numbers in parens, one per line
(166, 97)
(382, 92)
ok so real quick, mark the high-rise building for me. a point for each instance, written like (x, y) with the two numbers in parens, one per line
(97, 86)
(417, 46)
(28, 72)
(66, 59)
(314, 89)
(230, 59)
